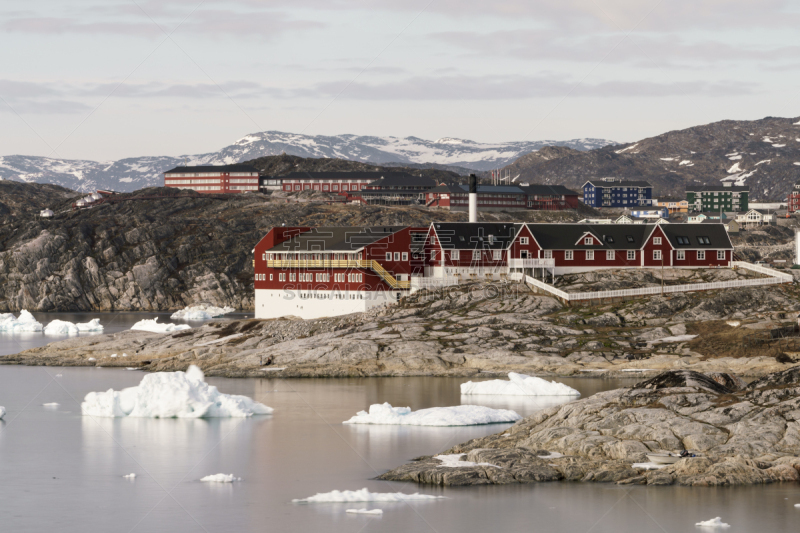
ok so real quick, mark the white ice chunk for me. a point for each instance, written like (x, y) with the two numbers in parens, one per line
(171, 395)
(364, 495)
(221, 478)
(459, 415)
(25, 322)
(130, 476)
(519, 385)
(2, 411)
(201, 312)
(454, 461)
(155, 327)
(365, 511)
(62, 327)
(714, 522)
(51, 404)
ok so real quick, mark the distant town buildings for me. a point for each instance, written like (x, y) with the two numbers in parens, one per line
(794, 198)
(717, 198)
(612, 192)
(503, 197)
(673, 205)
(219, 179)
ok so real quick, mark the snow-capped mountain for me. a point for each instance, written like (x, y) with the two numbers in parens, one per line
(138, 172)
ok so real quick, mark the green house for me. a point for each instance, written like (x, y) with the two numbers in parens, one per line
(716, 198)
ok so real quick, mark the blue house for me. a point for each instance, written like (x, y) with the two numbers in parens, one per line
(611, 192)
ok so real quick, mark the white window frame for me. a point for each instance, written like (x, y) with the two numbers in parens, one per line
(497, 255)
(388, 256)
(590, 255)
(656, 255)
(609, 255)
(587, 241)
(476, 255)
(454, 255)
(548, 254)
(701, 255)
(405, 256)
(657, 241)
(680, 255)
(631, 255)
(270, 277)
(567, 255)
(397, 256)
(523, 240)
(721, 254)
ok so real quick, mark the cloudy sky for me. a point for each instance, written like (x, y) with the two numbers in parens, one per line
(107, 79)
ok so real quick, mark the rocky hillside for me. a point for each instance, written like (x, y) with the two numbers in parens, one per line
(740, 435)
(764, 154)
(159, 248)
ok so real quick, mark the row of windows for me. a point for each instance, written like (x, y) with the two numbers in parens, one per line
(455, 255)
(251, 180)
(190, 182)
(397, 256)
(197, 175)
(353, 187)
(680, 255)
(244, 174)
(201, 188)
(244, 187)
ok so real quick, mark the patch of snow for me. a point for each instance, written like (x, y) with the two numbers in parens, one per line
(764, 161)
(796, 505)
(733, 323)
(551, 455)
(364, 495)
(91, 359)
(796, 163)
(130, 476)
(459, 415)
(201, 312)
(171, 395)
(155, 327)
(796, 124)
(731, 154)
(454, 461)
(734, 168)
(668, 159)
(767, 140)
(220, 478)
(519, 385)
(647, 466)
(25, 322)
(62, 327)
(626, 149)
(714, 522)
(686, 162)
(365, 511)
(674, 338)
(2, 411)
(734, 158)
(778, 145)
(51, 404)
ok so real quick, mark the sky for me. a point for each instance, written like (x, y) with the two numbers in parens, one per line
(108, 79)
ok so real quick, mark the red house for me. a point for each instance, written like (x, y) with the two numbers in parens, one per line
(214, 179)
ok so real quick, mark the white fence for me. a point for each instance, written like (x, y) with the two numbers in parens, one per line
(531, 263)
(775, 278)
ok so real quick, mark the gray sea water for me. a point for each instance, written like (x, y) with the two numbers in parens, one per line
(60, 471)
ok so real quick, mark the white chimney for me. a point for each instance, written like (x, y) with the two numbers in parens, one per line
(473, 198)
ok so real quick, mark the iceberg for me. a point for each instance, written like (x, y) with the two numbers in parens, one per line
(25, 322)
(460, 415)
(201, 312)
(2, 411)
(714, 522)
(129, 476)
(155, 327)
(171, 395)
(519, 385)
(220, 478)
(62, 327)
(364, 495)
(365, 511)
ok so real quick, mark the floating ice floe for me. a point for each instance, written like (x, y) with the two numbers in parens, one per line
(171, 395)
(51, 405)
(2, 411)
(365, 511)
(459, 415)
(364, 495)
(220, 478)
(201, 312)
(153, 326)
(62, 327)
(129, 476)
(454, 461)
(519, 385)
(25, 322)
(714, 522)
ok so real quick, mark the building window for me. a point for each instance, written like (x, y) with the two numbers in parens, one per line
(476, 255)
(454, 254)
(609, 255)
(680, 255)
(657, 255)
(433, 255)
(587, 241)
(590, 255)
(567, 255)
(388, 256)
(270, 277)
(721, 254)
(405, 256)
(523, 240)
(629, 238)
(682, 239)
(397, 256)
(548, 254)
(657, 241)
(631, 255)
(497, 255)
(703, 240)
(701, 255)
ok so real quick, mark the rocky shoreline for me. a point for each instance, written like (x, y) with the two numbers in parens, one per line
(741, 434)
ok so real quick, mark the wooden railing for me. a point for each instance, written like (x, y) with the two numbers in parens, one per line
(342, 263)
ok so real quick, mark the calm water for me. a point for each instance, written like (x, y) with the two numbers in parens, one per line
(63, 472)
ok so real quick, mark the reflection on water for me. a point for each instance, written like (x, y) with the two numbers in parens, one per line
(63, 472)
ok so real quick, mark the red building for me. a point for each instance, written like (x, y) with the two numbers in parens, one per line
(794, 198)
(214, 179)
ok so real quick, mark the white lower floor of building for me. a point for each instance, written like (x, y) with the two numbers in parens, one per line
(317, 303)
